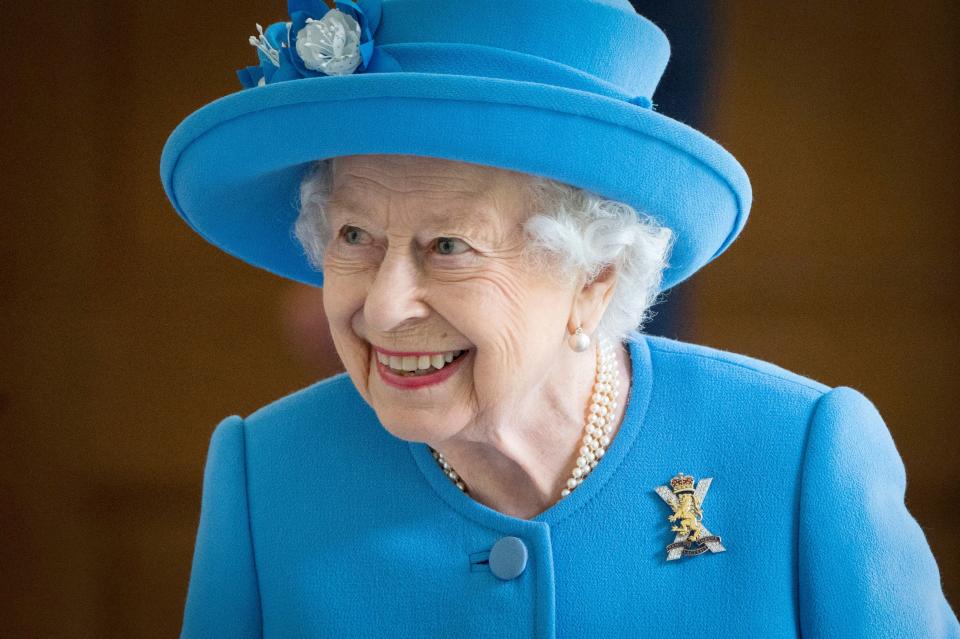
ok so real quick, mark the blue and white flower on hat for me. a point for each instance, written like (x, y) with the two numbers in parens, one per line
(330, 45)
(319, 40)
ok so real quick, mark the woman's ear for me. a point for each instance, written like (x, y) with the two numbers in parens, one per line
(592, 300)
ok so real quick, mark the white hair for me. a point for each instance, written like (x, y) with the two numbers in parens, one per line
(572, 232)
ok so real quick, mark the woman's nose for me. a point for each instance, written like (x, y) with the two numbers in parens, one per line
(395, 295)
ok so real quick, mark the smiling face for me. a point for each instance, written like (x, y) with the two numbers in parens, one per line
(426, 257)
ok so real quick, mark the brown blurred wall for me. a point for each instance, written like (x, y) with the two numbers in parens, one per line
(125, 337)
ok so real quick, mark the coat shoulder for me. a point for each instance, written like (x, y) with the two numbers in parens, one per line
(325, 395)
(695, 363)
(733, 395)
(329, 408)
(327, 425)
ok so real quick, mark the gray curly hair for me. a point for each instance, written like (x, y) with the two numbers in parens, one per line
(571, 232)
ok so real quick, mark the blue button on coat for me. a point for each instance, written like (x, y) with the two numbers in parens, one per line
(317, 522)
(508, 558)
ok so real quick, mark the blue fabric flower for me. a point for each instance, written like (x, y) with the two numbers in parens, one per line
(318, 41)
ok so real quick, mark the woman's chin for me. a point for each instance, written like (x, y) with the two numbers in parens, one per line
(418, 428)
(419, 410)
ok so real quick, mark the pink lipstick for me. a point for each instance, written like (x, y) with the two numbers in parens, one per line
(419, 381)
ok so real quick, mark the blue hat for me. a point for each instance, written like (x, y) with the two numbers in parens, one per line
(560, 89)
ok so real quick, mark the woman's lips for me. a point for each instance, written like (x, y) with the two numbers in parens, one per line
(418, 381)
(417, 353)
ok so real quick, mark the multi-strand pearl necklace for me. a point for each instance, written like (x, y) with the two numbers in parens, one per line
(598, 429)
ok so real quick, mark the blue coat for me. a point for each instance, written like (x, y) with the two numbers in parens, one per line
(317, 522)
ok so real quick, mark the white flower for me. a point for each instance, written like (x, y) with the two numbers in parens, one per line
(330, 45)
(264, 45)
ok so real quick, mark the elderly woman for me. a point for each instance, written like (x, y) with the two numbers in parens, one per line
(492, 205)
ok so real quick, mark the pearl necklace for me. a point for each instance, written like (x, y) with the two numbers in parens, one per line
(598, 429)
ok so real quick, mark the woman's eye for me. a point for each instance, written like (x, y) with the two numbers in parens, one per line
(352, 234)
(447, 246)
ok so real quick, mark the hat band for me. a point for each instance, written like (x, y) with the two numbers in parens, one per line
(604, 38)
(494, 62)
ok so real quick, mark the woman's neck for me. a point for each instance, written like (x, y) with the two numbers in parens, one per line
(519, 465)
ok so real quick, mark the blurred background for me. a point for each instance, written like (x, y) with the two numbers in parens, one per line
(125, 338)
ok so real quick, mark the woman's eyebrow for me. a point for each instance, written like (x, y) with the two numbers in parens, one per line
(474, 218)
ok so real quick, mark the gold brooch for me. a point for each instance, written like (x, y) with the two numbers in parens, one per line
(692, 537)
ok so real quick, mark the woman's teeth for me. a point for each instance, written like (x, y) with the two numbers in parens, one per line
(418, 365)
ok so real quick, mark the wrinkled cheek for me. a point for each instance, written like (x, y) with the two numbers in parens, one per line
(490, 381)
(336, 308)
(344, 308)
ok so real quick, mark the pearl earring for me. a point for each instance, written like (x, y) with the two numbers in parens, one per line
(579, 341)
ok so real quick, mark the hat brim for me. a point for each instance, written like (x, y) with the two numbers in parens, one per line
(232, 169)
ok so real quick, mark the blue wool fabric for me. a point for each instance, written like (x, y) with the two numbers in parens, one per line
(317, 522)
